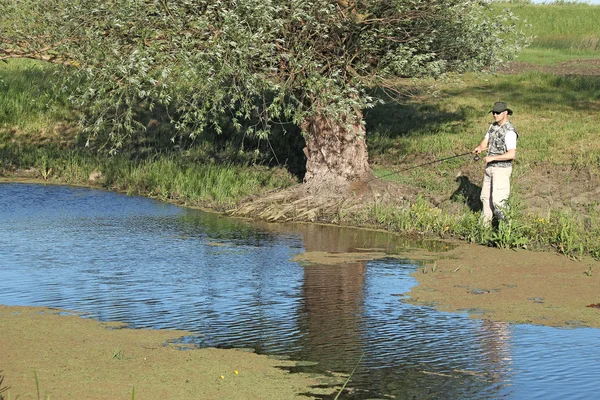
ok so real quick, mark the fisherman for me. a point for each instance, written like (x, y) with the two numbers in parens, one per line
(500, 141)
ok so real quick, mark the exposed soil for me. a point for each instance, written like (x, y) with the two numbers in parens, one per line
(539, 189)
(299, 204)
(558, 189)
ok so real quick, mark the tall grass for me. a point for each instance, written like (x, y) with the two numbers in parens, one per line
(556, 116)
(210, 185)
(29, 100)
(569, 234)
(561, 31)
(562, 26)
(168, 177)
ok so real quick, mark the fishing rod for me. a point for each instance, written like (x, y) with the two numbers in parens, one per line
(475, 158)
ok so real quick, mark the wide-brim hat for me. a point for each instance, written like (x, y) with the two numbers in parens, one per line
(500, 106)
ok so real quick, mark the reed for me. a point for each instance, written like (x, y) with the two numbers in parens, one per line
(37, 387)
(570, 234)
(3, 389)
(349, 377)
(166, 177)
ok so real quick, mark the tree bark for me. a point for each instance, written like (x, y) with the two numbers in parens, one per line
(336, 154)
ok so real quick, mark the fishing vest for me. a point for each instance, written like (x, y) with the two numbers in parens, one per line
(497, 143)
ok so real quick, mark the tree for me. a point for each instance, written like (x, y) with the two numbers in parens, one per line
(308, 62)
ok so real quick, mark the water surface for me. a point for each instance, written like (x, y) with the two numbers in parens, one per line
(234, 284)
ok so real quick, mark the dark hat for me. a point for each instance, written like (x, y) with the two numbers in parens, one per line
(500, 106)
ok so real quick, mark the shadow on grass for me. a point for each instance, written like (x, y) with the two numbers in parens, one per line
(540, 91)
(391, 121)
(468, 193)
(532, 92)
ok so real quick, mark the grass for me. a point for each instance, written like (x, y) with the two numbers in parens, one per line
(560, 31)
(550, 56)
(177, 178)
(3, 389)
(454, 121)
(29, 101)
(37, 387)
(562, 231)
(556, 115)
(118, 354)
(562, 26)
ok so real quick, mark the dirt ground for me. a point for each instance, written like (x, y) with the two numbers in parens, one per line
(78, 358)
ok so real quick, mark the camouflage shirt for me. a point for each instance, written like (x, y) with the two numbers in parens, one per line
(497, 142)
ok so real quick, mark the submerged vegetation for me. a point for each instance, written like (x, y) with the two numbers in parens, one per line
(557, 112)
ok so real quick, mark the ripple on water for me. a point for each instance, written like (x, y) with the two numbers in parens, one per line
(152, 265)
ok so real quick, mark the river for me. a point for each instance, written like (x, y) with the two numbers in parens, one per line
(235, 284)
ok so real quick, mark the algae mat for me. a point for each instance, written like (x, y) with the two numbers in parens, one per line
(79, 358)
(519, 286)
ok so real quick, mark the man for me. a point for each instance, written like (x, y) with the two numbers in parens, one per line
(500, 141)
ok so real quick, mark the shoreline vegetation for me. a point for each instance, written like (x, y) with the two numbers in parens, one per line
(554, 197)
(553, 88)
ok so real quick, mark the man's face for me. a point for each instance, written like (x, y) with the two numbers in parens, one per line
(500, 117)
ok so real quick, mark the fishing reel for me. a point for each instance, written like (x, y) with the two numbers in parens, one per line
(476, 157)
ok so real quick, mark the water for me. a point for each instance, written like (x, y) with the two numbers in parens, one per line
(234, 284)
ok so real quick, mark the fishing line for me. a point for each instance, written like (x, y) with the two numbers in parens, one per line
(475, 158)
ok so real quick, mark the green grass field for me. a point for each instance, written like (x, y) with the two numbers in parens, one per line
(567, 27)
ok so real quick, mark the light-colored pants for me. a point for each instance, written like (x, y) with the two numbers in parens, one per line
(495, 190)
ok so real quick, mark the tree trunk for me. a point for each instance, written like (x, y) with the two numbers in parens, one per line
(336, 154)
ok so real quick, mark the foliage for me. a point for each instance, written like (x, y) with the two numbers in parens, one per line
(561, 231)
(564, 235)
(254, 63)
(470, 228)
(400, 135)
(511, 232)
